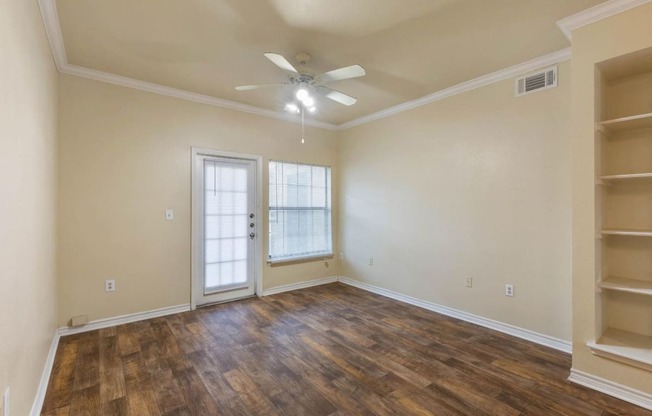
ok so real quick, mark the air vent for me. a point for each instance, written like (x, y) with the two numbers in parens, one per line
(540, 80)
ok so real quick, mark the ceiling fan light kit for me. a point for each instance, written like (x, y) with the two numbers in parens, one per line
(307, 82)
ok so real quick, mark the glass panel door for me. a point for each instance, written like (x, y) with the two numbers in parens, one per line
(229, 229)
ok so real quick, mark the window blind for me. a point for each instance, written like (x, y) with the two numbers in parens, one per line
(299, 211)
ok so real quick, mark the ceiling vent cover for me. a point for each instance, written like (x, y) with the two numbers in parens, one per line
(538, 81)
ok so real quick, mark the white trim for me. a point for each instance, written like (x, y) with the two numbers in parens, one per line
(526, 334)
(596, 13)
(567, 25)
(611, 388)
(299, 285)
(123, 319)
(53, 32)
(53, 29)
(37, 406)
(501, 75)
(187, 95)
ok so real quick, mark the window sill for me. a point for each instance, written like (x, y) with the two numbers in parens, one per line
(295, 260)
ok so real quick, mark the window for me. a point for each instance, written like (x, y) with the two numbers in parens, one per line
(299, 211)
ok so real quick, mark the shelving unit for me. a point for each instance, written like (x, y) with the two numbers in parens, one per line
(639, 121)
(621, 284)
(624, 213)
(626, 176)
(624, 346)
(627, 232)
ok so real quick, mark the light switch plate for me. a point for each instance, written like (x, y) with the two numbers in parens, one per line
(169, 214)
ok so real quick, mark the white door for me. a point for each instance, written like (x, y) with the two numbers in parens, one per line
(225, 224)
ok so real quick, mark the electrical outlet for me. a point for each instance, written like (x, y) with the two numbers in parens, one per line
(468, 282)
(371, 261)
(109, 285)
(341, 256)
(5, 403)
(509, 290)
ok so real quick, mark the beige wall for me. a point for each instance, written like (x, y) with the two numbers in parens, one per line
(618, 35)
(124, 158)
(28, 117)
(477, 185)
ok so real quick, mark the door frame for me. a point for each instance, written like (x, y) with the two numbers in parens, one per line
(197, 231)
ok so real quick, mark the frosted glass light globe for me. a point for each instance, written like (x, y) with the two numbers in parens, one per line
(302, 94)
(308, 101)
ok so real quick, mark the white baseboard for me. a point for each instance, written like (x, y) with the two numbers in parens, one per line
(123, 319)
(611, 388)
(300, 285)
(526, 334)
(91, 326)
(619, 391)
(45, 376)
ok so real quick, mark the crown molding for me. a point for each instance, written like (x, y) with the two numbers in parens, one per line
(593, 14)
(109, 78)
(53, 31)
(567, 25)
(501, 75)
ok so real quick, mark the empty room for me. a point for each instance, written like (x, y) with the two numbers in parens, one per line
(326, 208)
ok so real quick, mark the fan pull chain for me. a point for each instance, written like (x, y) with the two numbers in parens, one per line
(303, 138)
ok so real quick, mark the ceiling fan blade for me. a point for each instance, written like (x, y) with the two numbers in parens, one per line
(258, 86)
(348, 72)
(280, 62)
(340, 97)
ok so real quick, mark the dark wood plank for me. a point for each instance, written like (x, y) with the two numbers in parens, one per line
(117, 407)
(140, 393)
(87, 365)
(86, 402)
(112, 380)
(250, 394)
(331, 350)
(59, 393)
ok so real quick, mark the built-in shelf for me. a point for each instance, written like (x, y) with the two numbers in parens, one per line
(626, 176)
(622, 198)
(622, 231)
(621, 284)
(625, 347)
(639, 121)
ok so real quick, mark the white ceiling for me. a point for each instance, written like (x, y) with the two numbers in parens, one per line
(409, 48)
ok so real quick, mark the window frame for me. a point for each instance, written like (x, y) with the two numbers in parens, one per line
(328, 210)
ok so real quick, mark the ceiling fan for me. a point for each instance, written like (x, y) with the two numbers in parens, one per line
(307, 81)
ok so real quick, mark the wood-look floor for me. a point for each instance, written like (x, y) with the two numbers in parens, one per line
(330, 350)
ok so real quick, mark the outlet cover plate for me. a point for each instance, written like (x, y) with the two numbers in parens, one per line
(509, 290)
